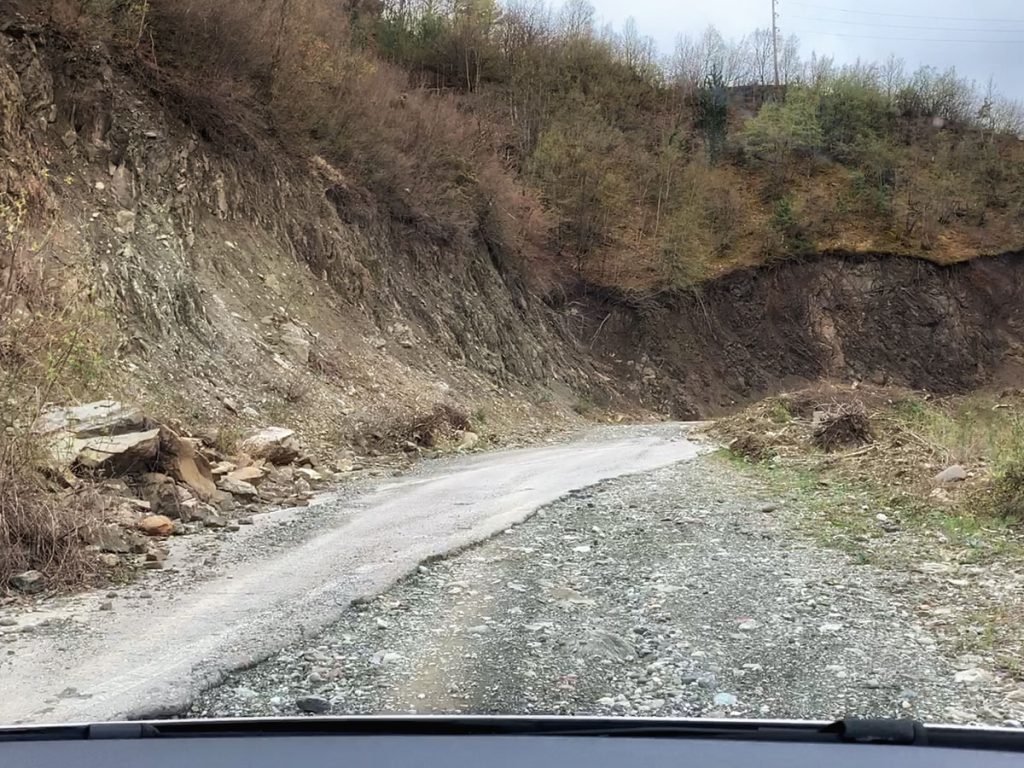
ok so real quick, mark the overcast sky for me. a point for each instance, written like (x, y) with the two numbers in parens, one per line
(943, 33)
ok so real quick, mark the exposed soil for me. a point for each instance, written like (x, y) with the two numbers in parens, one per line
(879, 319)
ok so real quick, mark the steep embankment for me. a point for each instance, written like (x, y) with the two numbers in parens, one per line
(231, 280)
(227, 280)
(883, 319)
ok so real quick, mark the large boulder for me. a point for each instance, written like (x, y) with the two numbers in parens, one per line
(104, 437)
(115, 454)
(28, 582)
(180, 459)
(104, 417)
(274, 444)
(251, 474)
(238, 487)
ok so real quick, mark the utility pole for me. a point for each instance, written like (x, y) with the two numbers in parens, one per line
(775, 45)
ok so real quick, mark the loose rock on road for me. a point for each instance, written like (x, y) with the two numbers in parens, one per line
(149, 649)
(682, 592)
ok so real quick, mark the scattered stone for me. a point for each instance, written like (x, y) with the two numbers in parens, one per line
(111, 538)
(311, 475)
(313, 704)
(468, 441)
(953, 474)
(28, 582)
(274, 444)
(6, 621)
(748, 625)
(251, 475)
(973, 676)
(237, 487)
(106, 606)
(608, 645)
(725, 700)
(109, 560)
(245, 521)
(125, 220)
(156, 525)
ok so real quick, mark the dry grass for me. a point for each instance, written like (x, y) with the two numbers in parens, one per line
(912, 438)
(841, 426)
(50, 347)
(38, 529)
(239, 72)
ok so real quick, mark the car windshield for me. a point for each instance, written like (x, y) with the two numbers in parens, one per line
(511, 357)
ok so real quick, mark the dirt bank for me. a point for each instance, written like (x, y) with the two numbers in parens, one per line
(880, 319)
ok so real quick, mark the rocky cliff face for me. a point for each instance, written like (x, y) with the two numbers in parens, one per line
(244, 279)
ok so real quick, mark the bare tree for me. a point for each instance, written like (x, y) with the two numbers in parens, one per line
(576, 21)
(819, 70)
(892, 76)
(789, 60)
(759, 56)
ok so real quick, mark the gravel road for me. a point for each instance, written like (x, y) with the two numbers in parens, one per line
(683, 591)
(148, 649)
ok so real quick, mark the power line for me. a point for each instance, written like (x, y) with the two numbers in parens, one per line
(907, 39)
(900, 26)
(905, 15)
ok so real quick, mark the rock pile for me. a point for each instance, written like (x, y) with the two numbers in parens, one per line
(154, 482)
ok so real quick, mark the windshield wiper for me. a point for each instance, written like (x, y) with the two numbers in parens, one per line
(851, 730)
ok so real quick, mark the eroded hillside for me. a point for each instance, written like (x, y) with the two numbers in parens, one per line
(237, 218)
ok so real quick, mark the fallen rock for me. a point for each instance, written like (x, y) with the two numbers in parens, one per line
(725, 700)
(973, 676)
(215, 521)
(102, 418)
(275, 444)
(115, 454)
(183, 462)
(313, 704)
(311, 475)
(29, 582)
(164, 497)
(468, 441)
(294, 343)
(112, 538)
(251, 474)
(156, 525)
(608, 645)
(953, 474)
(237, 487)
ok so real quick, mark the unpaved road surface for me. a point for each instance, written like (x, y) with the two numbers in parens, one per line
(684, 591)
(157, 644)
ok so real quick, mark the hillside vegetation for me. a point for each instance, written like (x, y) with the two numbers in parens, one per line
(354, 219)
(581, 150)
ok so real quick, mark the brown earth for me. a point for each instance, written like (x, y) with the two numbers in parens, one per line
(879, 319)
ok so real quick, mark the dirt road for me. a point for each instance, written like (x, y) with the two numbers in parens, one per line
(149, 649)
(685, 591)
